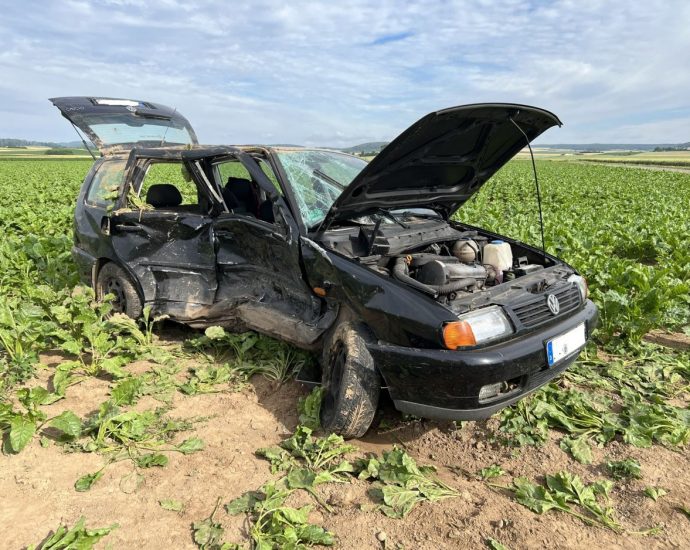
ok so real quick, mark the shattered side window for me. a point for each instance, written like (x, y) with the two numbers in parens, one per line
(106, 182)
(317, 179)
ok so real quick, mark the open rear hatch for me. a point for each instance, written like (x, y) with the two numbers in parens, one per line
(113, 124)
(442, 159)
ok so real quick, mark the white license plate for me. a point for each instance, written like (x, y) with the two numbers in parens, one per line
(565, 344)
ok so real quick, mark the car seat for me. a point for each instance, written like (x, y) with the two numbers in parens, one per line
(163, 195)
(239, 196)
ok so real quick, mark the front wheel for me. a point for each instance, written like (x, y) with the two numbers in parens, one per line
(112, 279)
(351, 383)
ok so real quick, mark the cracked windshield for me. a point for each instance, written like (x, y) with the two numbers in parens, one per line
(318, 178)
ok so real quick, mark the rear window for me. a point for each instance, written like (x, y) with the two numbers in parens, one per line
(105, 183)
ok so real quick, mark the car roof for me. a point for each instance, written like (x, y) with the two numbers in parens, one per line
(195, 152)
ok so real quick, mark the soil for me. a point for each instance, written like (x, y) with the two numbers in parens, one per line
(37, 485)
(675, 340)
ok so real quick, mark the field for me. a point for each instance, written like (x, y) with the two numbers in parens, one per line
(680, 159)
(150, 432)
(23, 153)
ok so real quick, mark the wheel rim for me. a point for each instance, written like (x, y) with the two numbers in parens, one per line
(119, 301)
(338, 359)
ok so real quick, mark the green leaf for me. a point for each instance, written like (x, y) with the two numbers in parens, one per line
(208, 533)
(85, 482)
(215, 333)
(171, 505)
(309, 408)
(78, 537)
(491, 472)
(68, 423)
(654, 493)
(624, 469)
(245, 503)
(126, 391)
(191, 445)
(578, 448)
(151, 460)
(399, 501)
(295, 515)
(535, 497)
(495, 545)
(22, 431)
(314, 534)
(301, 478)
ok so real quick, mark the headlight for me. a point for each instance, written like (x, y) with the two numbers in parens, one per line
(476, 327)
(581, 283)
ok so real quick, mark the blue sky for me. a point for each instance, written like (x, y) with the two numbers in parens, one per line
(342, 73)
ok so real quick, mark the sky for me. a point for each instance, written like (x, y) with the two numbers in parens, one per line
(347, 72)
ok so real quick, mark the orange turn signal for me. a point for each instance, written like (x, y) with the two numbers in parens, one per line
(458, 334)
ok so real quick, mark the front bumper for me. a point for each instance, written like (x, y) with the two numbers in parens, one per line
(445, 384)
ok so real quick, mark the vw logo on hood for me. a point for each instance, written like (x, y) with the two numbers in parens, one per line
(554, 305)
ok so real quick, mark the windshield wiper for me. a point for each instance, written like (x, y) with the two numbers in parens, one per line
(329, 179)
(392, 217)
(410, 214)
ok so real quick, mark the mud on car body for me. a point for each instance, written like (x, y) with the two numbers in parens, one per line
(360, 262)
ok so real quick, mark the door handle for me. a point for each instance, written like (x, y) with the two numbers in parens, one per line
(129, 228)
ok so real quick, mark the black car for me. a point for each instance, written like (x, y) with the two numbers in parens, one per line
(360, 261)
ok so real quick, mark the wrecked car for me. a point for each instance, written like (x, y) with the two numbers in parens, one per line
(359, 261)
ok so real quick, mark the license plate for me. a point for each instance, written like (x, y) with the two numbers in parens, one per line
(565, 344)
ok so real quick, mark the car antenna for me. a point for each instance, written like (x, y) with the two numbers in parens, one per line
(83, 141)
(168, 127)
(536, 184)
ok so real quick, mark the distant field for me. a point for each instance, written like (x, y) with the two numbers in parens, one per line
(661, 158)
(7, 153)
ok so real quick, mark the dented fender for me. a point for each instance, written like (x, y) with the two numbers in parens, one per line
(392, 311)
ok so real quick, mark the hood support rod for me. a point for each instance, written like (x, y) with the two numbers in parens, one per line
(536, 184)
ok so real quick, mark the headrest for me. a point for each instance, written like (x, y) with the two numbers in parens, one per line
(163, 195)
(240, 187)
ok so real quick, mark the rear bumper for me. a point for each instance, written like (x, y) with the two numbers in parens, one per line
(445, 384)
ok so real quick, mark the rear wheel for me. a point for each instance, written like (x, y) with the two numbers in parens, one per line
(351, 383)
(112, 279)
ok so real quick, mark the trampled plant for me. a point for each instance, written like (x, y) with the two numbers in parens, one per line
(78, 537)
(399, 483)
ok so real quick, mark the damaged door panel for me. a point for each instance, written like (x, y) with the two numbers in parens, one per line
(259, 272)
(172, 256)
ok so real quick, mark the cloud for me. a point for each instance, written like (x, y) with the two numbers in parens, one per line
(344, 72)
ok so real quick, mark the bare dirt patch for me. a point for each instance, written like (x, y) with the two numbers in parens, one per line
(38, 485)
(675, 340)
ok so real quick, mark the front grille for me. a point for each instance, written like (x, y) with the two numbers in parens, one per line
(536, 312)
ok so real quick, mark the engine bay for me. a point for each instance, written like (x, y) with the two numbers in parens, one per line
(444, 260)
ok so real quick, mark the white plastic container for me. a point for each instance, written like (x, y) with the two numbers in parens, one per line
(499, 255)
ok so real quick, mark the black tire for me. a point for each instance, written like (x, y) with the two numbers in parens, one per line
(351, 383)
(112, 279)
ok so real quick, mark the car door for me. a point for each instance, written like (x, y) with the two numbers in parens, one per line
(168, 248)
(259, 270)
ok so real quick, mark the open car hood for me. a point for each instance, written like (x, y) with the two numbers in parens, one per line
(125, 123)
(441, 160)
